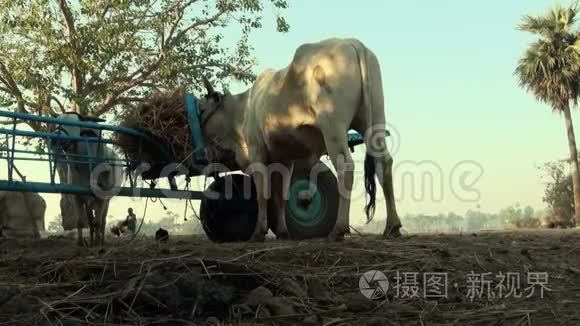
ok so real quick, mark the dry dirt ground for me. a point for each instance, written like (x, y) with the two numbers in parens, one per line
(443, 280)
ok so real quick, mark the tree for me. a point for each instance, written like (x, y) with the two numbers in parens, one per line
(511, 215)
(92, 56)
(550, 69)
(475, 220)
(55, 226)
(559, 194)
(454, 222)
(528, 212)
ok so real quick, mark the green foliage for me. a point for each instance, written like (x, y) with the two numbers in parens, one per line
(55, 226)
(511, 214)
(559, 194)
(515, 216)
(477, 220)
(93, 56)
(550, 68)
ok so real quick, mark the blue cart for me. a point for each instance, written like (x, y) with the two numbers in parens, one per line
(311, 211)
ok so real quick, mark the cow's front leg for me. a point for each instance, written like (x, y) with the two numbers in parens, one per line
(280, 183)
(259, 173)
(91, 222)
(101, 217)
(79, 211)
(80, 240)
(339, 153)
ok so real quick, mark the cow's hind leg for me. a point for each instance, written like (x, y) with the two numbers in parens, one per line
(337, 147)
(383, 161)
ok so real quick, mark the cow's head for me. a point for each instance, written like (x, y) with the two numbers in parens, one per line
(64, 145)
(67, 146)
(218, 126)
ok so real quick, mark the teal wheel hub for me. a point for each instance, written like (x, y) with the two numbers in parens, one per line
(312, 206)
(306, 203)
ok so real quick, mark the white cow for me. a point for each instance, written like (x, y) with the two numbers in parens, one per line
(21, 214)
(91, 208)
(301, 112)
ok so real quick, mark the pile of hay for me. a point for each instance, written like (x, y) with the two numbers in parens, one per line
(164, 118)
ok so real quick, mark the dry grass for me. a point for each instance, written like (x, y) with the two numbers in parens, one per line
(164, 117)
(190, 281)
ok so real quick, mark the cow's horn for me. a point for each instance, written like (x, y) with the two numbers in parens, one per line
(207, 85)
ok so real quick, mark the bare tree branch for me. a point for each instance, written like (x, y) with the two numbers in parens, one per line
(113, 98)
(105, 11)
(68, 17)
(178, 20)
(5, 90)
(62, 109)
(10, 80)
(11, 122)
(3, 81)
(195, 24)
(129, 99)
(76, 74)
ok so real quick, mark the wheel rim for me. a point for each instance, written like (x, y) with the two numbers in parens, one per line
(306, 209)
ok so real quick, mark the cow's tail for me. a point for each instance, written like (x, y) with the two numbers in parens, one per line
(370, 186)
(370, 163)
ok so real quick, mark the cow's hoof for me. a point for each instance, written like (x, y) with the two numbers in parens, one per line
(258, 237)
(282, 235)
(392, 232)
(336, 236)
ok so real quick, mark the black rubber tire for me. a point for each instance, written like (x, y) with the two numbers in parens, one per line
(328, 187)
(229, 219)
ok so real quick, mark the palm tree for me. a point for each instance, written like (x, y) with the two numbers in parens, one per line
(550, 69)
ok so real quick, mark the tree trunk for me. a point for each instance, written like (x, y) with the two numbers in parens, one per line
(573, 163)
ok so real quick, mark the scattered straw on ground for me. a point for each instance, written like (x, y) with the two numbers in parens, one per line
(190, 281)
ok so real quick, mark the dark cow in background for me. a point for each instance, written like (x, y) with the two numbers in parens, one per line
(90, 208)
(21, 214)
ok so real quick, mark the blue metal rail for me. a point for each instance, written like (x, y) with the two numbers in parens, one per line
(73, 189)
(10, 154)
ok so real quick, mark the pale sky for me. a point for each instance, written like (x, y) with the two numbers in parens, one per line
(451, 97)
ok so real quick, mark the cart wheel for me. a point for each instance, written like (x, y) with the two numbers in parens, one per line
(230, 217)
(310, 214)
